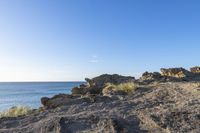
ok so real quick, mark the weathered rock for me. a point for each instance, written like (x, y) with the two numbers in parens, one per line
(151, 76)
(85, 85)
(44, 101)
(59, 100)
(175, 72)
(89, 81)
(162, 107)
(168, 107)
(100, 81)
(96, 85)
(82, 90)
(195, 70)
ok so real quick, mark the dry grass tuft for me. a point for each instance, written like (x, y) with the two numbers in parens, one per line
(196, 84)
(123, 87)
(16, 111)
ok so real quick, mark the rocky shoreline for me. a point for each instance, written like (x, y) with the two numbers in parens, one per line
(158, 102)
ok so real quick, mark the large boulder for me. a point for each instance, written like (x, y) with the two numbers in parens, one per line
(100, 81)
(44, 101)
(58, 100)
(195, 70)
(175, 72)
(80, 90)
(151, 76)
(96, 85)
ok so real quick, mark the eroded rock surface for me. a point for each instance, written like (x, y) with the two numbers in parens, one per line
(154, 107)
(151, 76)
(100, 81)
(96, 85)
(175, 72)
(167, 107)
(195, 70)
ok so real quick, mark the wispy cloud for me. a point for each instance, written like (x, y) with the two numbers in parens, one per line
(94, 59)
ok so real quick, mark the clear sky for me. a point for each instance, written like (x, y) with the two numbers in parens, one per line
(52, 40)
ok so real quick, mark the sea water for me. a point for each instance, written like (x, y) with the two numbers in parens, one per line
(29, 93)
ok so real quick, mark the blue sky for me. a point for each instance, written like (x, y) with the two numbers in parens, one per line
(48, 40)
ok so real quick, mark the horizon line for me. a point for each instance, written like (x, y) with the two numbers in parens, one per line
(36, 81)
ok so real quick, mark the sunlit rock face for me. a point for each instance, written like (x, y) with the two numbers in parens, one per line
(195, 70)
(96, 85)
(151, 76)
(175, 72)
(102, 80)
(170, 100)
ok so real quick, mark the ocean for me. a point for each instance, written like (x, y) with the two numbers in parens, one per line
(30, 93)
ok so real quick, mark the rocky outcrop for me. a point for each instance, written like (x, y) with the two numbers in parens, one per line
(167, 107)
(157, 77)
(175, 72)
(96, 85)
(195, 70)
(171, 75)
(100, 81)
(161, 108)
(61, 99)
(151, 76)
(80, 90)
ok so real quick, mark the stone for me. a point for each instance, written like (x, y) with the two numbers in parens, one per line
(151, 76)
(166, 107)
(96, 85)
(81, 90)
(86, 85)
(57, 100)
(89, 81)
(44, 101)
(195, 70)
(100, 81)
(175, 72)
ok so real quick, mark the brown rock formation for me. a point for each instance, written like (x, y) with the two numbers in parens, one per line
(195, 70)
(175, 72)
(161, 108)
(96, 85)
(168, 107)
(151, 76)
(100, 81)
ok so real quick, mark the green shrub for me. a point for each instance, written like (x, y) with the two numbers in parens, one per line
(123, 87)
(16, 111)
